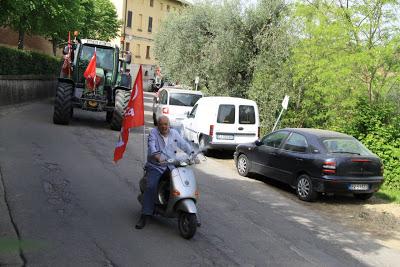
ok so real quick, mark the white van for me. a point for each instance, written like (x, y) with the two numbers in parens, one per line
(175, 103)
(222, 122)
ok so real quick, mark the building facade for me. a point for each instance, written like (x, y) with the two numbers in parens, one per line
(141, 20)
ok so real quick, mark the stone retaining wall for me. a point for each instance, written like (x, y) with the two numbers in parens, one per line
(21, 88)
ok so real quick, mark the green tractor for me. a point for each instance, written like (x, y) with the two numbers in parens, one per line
(112, 91)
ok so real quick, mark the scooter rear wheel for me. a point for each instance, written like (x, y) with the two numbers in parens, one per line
(187, 223)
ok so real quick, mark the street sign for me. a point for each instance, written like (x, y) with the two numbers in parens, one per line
(196, 80)
(285, 102)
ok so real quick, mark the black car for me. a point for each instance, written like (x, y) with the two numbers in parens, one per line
(313, 161)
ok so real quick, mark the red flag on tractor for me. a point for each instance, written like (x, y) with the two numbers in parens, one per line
(133, 117)
(90, 72)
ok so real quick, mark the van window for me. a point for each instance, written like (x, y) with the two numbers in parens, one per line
(247, 115)
(187, 100)
(226, 114)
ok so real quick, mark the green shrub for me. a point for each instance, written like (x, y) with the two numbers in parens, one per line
(376, 125)
(20, 62)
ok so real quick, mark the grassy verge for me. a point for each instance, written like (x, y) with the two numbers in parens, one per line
(388, 194)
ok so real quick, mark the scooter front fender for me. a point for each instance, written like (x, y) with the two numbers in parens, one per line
(186, 205)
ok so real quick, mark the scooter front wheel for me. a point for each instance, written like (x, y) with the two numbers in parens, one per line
(187, 223)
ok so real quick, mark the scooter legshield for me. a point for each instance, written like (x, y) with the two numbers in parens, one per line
(186, 205)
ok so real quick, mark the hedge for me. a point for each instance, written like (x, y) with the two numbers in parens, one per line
(20, 62)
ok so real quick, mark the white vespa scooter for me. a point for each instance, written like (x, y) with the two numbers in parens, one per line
(177, 195)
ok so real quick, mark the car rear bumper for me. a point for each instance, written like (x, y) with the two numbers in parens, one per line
(342, 185)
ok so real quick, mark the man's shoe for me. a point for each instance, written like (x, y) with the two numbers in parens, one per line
(142, 222)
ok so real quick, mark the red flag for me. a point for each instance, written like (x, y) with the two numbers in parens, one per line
(133, 117)
(90, 72)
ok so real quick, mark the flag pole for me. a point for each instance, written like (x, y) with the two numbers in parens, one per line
(95, 73)
(144, 145)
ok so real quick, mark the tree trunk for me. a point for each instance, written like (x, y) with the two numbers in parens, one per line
(21, 37)
(54, 43)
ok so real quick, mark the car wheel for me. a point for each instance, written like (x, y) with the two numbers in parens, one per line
(243, 165)
(363, 196)
(304, 188)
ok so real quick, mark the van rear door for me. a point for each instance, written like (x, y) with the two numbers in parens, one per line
(225, 127)
(247, 124)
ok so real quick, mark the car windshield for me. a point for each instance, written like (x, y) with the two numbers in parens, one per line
(345, 146)
(183, 99)
(104, 56)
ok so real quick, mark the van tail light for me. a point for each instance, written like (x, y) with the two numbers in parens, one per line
(329, 167)
(382, 169)
(258, 132)
(211, 133)
(165, 110)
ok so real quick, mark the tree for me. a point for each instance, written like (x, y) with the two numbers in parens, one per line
(17, 14)
(58, 19)
(98, 20)
(345, 50)
(53, 19)
(231, 49)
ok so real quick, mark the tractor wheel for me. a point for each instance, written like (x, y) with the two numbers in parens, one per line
(121, 102)
(63, 104)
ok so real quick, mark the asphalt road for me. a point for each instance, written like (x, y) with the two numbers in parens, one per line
(68, 204)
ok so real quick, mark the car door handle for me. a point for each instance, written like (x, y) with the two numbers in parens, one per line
(299, 159)
(240, 128)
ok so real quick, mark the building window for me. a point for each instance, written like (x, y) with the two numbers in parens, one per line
(129, 21)
(167, 8)
(137, 51)
(150, 24)
(151, 3)
(148, 52)
(127, 46)
(140, 22)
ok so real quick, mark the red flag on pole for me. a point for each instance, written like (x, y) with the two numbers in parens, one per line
(133, 117)
(90, 72)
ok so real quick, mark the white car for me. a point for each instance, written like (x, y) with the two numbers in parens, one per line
(175, 103)
(222, 123)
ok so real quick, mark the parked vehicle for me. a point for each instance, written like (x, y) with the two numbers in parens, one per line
(313, 161)
(177, 195)
(175, 103)
(222, 123)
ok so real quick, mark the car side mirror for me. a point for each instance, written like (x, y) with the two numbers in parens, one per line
(258, 143)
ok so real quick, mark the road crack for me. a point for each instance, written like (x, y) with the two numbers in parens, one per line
(108, 261)
(14, 224)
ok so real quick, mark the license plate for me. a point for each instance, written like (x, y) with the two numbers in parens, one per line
(224, 136)
(358, 187)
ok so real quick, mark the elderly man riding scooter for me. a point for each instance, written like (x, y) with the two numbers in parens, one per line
(161, 143)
